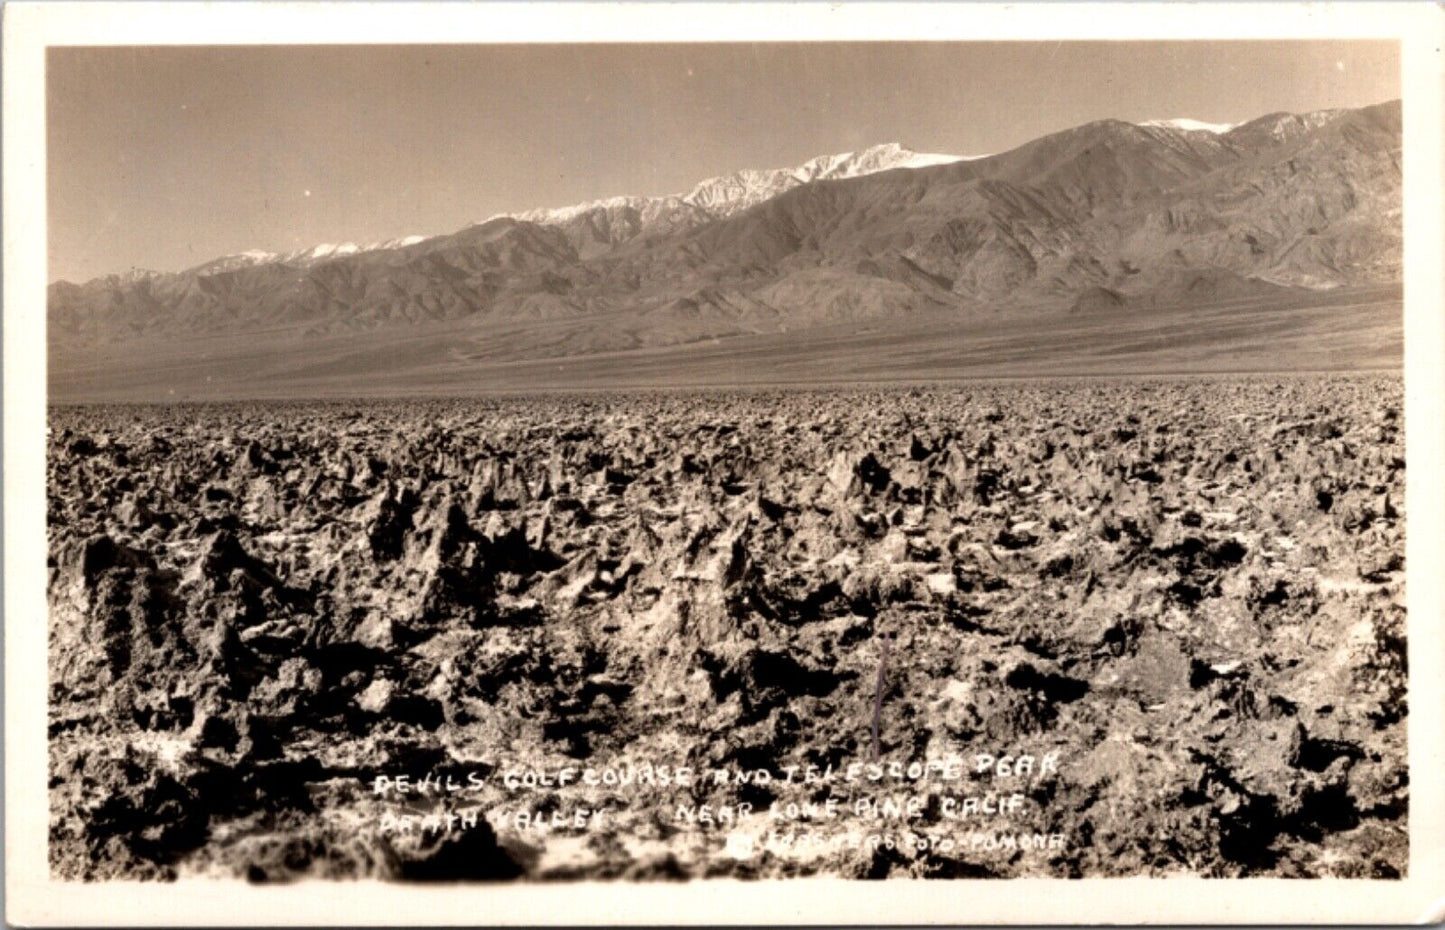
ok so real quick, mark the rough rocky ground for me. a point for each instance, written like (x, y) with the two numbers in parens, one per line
(1191, 590)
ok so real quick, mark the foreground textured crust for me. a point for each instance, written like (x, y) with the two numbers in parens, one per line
(1190, 591)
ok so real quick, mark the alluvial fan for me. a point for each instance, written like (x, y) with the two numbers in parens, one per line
(1190, 591)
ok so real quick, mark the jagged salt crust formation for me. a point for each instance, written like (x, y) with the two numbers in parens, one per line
(1190, 591)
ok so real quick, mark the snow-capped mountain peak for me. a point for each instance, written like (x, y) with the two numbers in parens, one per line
(713, 198)
(400, 242)
(732, 193)
(728, 194)
(1190, 125)
(134, 275)
(323, 251)
(307, 256)
(545, 216)
(1291, 125)
(237, 261)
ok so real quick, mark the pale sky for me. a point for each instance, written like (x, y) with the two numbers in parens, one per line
(163, 158)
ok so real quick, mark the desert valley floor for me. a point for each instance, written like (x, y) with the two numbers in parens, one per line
(1185, 592)
(1345, 329)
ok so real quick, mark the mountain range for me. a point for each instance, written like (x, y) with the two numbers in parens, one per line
(1106, 217)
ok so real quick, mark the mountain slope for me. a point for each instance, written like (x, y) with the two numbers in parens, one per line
(1099, 218)
(1111, 205)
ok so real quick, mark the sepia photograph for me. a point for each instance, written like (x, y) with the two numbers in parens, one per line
(642, 462)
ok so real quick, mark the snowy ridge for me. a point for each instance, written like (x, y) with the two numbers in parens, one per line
(324, 250)
(728, 194)
(713, 198)
(308, 256)
(1190, 125)
(1280, 127)
(563, 214)
(1292, 125)
(134, 275)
